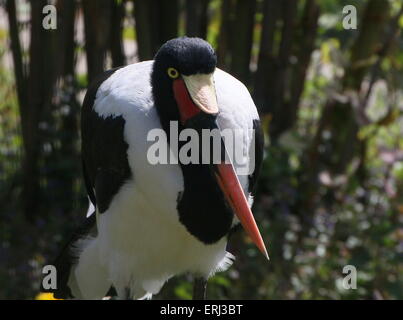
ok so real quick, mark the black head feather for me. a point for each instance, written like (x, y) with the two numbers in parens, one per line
(188, 56)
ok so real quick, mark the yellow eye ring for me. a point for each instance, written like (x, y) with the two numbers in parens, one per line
(173, 73)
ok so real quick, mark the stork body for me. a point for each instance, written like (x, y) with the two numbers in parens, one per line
(151, 221)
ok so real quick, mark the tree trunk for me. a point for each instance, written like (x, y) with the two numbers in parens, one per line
(292, 77)
(36, 82)
(283, 76)
(225, 35)
(278, 82)
(168, 14)
(196, 18)
(265, 75)
(242, 45)
(145, 28)
(40, 85)
(305, 45)
(156, 23)
(15, 44)
(69, 125)
(97, 18)
(116, 39)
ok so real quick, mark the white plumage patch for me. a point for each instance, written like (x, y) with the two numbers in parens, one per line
(140, 241)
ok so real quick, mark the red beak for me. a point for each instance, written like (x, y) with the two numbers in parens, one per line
(232, 189)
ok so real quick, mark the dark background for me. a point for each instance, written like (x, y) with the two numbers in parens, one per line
(330, 101)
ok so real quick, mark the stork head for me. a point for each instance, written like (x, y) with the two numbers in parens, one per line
(184, 71)
(184, 90)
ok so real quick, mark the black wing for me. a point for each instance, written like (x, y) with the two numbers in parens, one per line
(104, 150)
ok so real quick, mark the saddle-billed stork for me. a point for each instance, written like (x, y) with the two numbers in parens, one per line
(154, 221)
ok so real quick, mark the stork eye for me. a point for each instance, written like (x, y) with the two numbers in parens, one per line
(173, 73)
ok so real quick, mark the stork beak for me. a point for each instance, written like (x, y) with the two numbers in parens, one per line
(195, 94)
(197, 102)
(229, 184)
